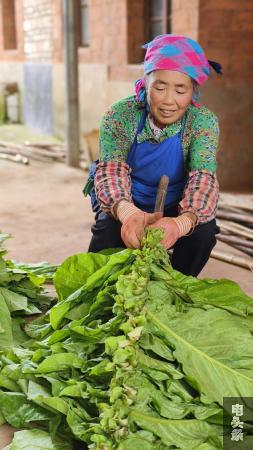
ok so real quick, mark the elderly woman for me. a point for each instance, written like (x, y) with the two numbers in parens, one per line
(162, 130)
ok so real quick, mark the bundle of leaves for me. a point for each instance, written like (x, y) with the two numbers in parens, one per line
(21, 294)
(134, 356)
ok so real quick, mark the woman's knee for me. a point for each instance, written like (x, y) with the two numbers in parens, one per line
(207, 231)
(106, 233)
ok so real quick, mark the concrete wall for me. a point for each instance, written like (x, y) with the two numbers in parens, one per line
(92, 96)
(38, 54)
(38, 95)
(96, 94)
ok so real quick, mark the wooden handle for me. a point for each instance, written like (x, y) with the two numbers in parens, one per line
(161, 193)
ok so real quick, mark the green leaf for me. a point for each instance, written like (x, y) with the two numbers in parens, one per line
(151, 342)
(225, 294)
(136, 443)
(58, 362)
(2, 419)
(79, 428)
(18, 411)
(38, 440)
(215, 350)
(94, 281)
(40, 271)
(56, 403)
(3, 237)
(36, 390)
(151, 363)
(13, 301)
(6, 338)
(75, 270)
(185, 434)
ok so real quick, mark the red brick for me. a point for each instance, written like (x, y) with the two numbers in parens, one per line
(221, 5)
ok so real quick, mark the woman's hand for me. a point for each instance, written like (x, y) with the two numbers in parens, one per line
(175, 227)
(133, 228)
(171, 231)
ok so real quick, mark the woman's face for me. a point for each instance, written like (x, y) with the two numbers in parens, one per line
(169, 93)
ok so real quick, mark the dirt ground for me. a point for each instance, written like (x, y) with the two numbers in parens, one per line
(43, 208)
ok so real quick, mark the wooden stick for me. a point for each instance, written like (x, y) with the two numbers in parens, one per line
(34, 157)
(246, 250)
(234, 240)
(32, 153)
(231, 259)
(234, 216)
(29, 149)
(241, 205)
(236, 229)
(39, 152)
(47, 146)
(237, 209)
(242, 248)
(161, 193)
(15, 158)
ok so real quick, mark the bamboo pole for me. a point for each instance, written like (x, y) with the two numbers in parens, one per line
(15, 158)
(241, 205)
(25, 154)
(31, 148)
(236, 229)
(33, 153)
(235, 209)
(246, 250)
(234, 240)
(231, 259)
(234, 216)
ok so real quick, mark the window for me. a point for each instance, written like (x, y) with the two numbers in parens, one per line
(159, 22)
(145, 20)
(9, 25)
(84, 24)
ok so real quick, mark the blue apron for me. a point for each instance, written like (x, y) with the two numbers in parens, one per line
(149, 162)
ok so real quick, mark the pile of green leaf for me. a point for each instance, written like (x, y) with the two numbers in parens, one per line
(134, 356)
(21, 295)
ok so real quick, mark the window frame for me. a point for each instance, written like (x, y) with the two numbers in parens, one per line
(83, 5)
(9, 45)
(165, 18)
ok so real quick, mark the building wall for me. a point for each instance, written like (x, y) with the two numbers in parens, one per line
(185, 18)
(11, 60)
(116, 35)
(104, 73)
(14, 54)
(111, 60)
(111, 63)
(38, 30)
(226, 32)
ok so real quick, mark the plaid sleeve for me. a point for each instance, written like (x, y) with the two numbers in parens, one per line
(112, 184)
(200, 195)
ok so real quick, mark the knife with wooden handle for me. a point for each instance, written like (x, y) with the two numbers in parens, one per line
(161, 194)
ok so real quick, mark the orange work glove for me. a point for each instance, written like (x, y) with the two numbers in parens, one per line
(174, 228)
(134, 222)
